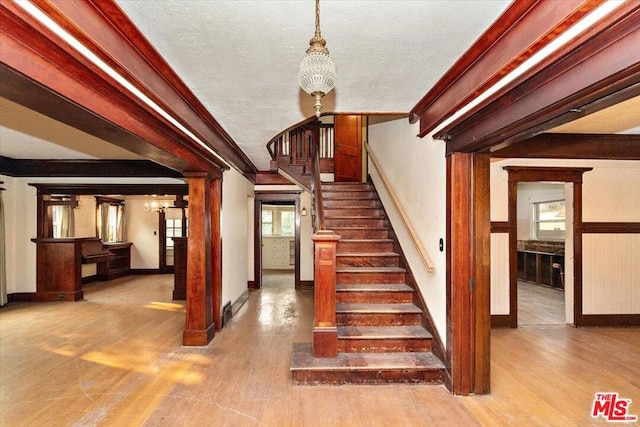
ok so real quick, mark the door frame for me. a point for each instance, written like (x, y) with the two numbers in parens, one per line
(266, 197)
(519, 174)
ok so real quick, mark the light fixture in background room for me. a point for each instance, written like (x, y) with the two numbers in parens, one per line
(156, 205)
(317, 74)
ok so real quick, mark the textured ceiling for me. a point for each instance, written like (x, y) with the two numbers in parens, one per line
(241, 58)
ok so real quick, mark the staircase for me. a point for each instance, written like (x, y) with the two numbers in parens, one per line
(381, 327)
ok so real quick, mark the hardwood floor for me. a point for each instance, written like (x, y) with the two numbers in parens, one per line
(116, 359)
(540, 305)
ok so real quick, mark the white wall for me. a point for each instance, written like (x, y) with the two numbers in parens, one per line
(235, 235)
(142, 229)
(611, 193)
(416, 169)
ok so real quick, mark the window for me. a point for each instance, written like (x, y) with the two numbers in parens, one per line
(110, 219)
(549, 220)
(173, 229)
(278, 220)
(267, 222)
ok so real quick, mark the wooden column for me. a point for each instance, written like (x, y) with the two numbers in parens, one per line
(325, 332)
(215, 188)
(199, 326)
(468, 271)
(180, 268)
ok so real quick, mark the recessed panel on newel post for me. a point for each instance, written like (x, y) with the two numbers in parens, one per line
(325, 331)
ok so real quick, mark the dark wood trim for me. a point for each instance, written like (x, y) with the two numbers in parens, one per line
(574, 146)
(124, 189)
(545, 174)
(611, 320)
(162, 242)
(577, 254)
(22, 297)
(145, 271)
(500, 321)
(215, 189)
(260, 197)
(22, 168)
(271, 178)
(590, 73)
(500, 226)
(307, 285)
(251, 284)
(460, 331)
(519, 33)
(611, 227)
(199, 326)
(481, 267)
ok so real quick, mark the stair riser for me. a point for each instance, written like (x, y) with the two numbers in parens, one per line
(367, 261)
(353, 222)
(345, 187)
(370, 212)
(346, 246)
(370, 277)
(386, 345)
(363, 233)
(348, 195)
(317, 377)
(374, 297)
(365, 203)
(378, 319)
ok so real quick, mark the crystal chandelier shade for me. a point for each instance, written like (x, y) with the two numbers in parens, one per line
(317, 74)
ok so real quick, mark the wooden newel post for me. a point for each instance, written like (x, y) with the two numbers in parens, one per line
(325, 332)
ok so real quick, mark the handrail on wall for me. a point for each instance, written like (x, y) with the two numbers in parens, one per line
(403, 215)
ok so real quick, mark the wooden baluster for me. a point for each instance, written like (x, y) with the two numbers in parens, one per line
(325, 331)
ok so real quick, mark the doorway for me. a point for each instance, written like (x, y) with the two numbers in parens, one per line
(278, 244)
(541, 234)
(571, 179)
(277, 239)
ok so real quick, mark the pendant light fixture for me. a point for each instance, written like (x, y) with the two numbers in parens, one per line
(317, 75)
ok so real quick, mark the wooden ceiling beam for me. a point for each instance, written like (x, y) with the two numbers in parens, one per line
(574, 146)
(38, 54)
(520, 32)
(594, 71)
(85, 168)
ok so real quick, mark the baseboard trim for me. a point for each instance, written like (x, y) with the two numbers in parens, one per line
(235, 307)
(142, 271)
(610, 320)
(306, 285)
(22, 297)
(500, 321)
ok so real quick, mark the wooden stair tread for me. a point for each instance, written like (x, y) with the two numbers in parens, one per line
(370, 270)
(373, 287)
(374, 240)
(383, 332)
(302, 359)
(391, 308)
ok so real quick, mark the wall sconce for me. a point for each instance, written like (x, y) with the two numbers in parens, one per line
(303, 212)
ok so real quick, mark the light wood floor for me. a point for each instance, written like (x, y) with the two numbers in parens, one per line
(116, 359)
(540, 305)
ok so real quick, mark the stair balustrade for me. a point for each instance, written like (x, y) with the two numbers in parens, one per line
(301, 154)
